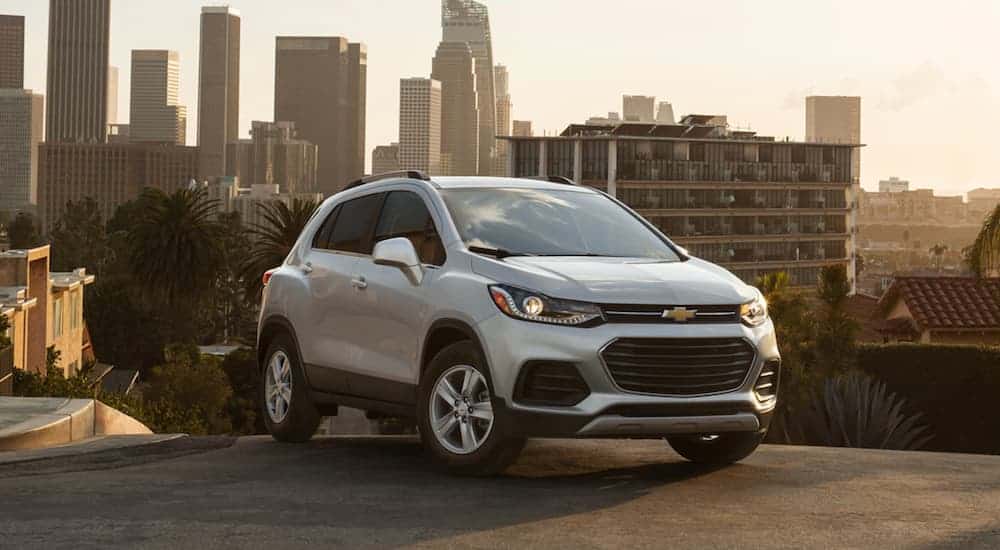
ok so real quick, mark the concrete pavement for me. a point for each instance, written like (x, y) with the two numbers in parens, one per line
(380, 492)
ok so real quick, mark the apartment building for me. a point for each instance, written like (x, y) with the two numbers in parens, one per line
(914, 206)
(747, 202)
(44, 309)
(247, 201)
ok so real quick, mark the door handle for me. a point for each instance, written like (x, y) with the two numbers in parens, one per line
(359, 283)
(306, 268)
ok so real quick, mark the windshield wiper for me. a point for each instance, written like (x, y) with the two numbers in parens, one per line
(498, 253)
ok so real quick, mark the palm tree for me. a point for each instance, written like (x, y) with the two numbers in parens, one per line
(937, 251)
(173, 247)
(273, 240)
(984, 255)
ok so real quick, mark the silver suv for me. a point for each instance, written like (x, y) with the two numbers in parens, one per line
(495, 309)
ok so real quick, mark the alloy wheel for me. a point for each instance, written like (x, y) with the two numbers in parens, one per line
(461, 412)
(278, 387)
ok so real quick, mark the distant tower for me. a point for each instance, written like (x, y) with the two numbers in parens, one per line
(638, 108)
(11, 51)
(835, 119)
(156, 114)
(420, 125)
(455, 67)
(469, 21)
(504, 107)
(665, 113)
(79, 38)
(218, 87)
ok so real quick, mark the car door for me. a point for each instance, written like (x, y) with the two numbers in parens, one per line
(329, 335)
(394, 310)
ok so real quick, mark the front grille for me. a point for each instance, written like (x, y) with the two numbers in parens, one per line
(679, 366)
(654, 314)
(550, 383)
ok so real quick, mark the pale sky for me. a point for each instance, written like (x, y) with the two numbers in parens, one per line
(927, 71)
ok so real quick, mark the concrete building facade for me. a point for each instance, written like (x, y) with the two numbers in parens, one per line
(521, 128)
(504, 108)
(638, 108)
(275, 156)
(834, 119)
(893, 185)
(744, 201)
(320, 84)
(110, 174)
(420, 126)
(155, 112)
(21, 128)
(78, 71)
(112, 95)
(385, 158)
(218, 86)
(248, 200)
(454, 67)
(11, 51)
(665, 113)
(468, 21)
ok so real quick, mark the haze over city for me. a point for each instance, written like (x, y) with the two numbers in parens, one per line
(929, 94)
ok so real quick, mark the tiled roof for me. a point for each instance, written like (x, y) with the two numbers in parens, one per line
(949, 302)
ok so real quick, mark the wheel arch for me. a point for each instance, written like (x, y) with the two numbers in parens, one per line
(271, 328)
(442, 334)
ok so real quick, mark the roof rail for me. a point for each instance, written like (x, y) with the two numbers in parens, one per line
(410, 174)
(554, 179)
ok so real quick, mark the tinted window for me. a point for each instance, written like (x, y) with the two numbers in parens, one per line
(552, 223)
(405, 215)
(352, 228)
(322, 238)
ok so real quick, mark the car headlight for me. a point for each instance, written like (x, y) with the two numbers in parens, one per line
(754, 313)
(532, 306)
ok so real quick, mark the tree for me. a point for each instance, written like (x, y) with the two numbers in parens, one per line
(836, 331)
(79, 238)
(984, 255)
(233, 314)
(190, 393)
(937, 252)
(174, 257)
(274, 239)
(22, 232)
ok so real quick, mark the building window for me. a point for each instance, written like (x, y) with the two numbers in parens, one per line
(57, 318)
(74, 311)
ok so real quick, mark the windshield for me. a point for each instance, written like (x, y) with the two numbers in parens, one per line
(551, 223)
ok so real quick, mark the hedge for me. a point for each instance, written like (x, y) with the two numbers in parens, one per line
(957, 388)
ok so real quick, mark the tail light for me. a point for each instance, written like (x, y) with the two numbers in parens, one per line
(267, 276)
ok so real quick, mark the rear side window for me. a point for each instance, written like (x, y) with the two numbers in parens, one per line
(352, 225)
(322, 238)
(405, 215)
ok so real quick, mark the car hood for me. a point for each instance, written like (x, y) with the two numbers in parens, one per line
(619, 280)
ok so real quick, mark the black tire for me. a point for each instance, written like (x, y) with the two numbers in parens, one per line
(717, 450)
(302, 418)
(498, 451)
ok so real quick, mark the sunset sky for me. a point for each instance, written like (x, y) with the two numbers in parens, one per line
(927, 72)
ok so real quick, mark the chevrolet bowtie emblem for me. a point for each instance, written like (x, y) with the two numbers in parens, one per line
(680, 314)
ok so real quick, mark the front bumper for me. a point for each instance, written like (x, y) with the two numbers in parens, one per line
(610, 411)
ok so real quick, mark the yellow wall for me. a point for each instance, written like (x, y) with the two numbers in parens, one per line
(70, 342)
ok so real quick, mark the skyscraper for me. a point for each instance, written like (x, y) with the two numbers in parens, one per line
(274, 156)
(455, 68)
(638, 108)
(112, 95)
(20, 132)
(79, 37)
(420, 125)
(834, 119)
(218, 87)
(504, 107)
(468, 21)
(385, 158)
(522, 128)
(156, 114)
(320, 84)
(11, 51)
(665, 113)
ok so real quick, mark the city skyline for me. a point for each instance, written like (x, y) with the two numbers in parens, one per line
(931, 78)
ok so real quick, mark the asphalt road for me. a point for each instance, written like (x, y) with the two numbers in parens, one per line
(379, 492)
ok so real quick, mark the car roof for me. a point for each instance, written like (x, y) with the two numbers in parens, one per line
(481, 182)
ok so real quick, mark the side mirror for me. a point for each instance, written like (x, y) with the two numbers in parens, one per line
(399, 253)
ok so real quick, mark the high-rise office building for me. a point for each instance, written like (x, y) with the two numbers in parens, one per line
(274, 155)
(522, 128)
(112, 95)
(455, 68)
(110, 174)
(79, 39)
(420, 125)
(665, 113)
(638, 108)
(835, 119)
(218, 86)
(320, 84)
(468, 21)
(21, 114)
(504, 107)
(385, 158)
(11, 51)
(155, 114)
(893, 185)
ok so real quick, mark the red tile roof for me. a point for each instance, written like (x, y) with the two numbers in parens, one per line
(949, 302)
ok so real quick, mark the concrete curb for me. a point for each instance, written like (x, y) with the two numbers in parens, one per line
(48, 422)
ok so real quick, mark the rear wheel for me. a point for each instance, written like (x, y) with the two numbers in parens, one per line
(717, 449)
(288, 410)
(457, 421)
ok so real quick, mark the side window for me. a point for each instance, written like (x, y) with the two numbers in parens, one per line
(352, 227)
(405, 215)
(322, 238)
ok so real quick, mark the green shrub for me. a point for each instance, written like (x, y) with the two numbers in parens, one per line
(189, 394)
(956, 388)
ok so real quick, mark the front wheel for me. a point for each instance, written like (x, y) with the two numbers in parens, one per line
(718, 449)
(457, 421)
